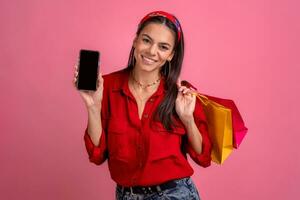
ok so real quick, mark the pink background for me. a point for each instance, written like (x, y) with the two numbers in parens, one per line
(247, 51)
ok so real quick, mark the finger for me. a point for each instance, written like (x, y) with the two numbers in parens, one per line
(76, 71)
(179, 96)
(190, 97)
(191, 93)
(182, 88)
(185, 90)
(100, 74)
(100, 79)
(75, 81)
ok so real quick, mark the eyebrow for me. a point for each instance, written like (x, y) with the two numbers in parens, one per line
(164, 43)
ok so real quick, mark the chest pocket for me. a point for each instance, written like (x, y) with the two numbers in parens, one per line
(118, 140)
(164, 144)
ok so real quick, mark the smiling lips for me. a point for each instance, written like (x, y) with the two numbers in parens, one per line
(147, 60)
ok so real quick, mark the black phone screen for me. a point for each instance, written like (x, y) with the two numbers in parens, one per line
(88, 70)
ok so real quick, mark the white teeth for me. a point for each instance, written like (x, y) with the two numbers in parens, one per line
(149, 60)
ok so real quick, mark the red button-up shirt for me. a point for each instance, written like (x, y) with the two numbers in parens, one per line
(141, 151)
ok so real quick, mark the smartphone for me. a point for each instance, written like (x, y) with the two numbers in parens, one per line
(88, 70)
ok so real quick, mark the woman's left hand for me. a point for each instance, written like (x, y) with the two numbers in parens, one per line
(185, 104)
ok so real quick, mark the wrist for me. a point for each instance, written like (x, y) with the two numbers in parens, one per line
(94, 109)
(188, 122)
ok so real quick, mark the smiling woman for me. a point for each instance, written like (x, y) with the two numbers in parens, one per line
(154, 46)
(144, 121)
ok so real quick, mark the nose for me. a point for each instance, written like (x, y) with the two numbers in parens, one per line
(153, 49)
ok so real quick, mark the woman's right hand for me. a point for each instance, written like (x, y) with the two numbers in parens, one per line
(92, 99)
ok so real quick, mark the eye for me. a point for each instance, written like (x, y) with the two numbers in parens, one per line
(145, 40)
(165, 48)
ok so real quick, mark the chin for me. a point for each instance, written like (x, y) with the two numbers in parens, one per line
(149, 68)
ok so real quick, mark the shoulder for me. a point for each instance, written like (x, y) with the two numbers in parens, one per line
(116, 78)
(115, 74)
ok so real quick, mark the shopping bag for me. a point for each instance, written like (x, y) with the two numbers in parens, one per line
(219, 121)
(238, 125)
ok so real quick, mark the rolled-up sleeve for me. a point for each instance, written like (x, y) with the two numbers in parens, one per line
(97, 154)
(203, 159)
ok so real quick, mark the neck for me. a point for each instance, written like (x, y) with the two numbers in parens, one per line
(145, 78)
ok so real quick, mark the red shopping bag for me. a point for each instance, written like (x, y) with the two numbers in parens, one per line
(238, 125)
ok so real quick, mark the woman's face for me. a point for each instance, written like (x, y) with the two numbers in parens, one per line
(153, 47)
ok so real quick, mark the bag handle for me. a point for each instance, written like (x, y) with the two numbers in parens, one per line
(201, 97)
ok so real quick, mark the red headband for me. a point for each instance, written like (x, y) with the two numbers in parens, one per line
(169, 16)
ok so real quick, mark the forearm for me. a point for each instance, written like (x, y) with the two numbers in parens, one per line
(194, 136)
(94, 124)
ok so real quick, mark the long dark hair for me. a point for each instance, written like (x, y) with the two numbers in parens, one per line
(166, 110)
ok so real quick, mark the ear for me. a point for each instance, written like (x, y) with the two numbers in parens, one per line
(134, 41)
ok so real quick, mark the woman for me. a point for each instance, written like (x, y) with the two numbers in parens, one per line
(149, 122)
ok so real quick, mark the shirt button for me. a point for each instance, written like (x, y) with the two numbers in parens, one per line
(140, 164)
(146, 115)
(151, 100)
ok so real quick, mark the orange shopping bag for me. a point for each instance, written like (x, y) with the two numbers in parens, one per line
(219, 121)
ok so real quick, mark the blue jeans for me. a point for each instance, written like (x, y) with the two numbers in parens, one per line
(185, 190)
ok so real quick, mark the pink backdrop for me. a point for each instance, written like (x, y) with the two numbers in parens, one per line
(247, 51)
